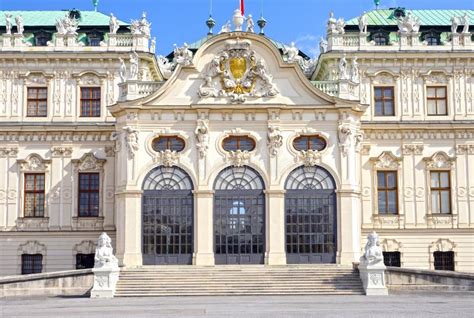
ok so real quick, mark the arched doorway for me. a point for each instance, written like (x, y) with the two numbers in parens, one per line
(167, 217)
(239, 217)
(310, 216)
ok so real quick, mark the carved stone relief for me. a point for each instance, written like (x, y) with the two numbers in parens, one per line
(274, 140)
(61, 151)
(386, 160)
(238, 158)
(88, 162)
(412, 149)
(34, 163)
(439, 160)
(202, 136)
(167, 158)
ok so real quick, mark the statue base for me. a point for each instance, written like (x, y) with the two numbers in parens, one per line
(105, 282)
(373, 279)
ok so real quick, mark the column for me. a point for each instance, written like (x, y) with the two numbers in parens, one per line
(349, 226)
(203, 228)
(129, 228)
(275, 228)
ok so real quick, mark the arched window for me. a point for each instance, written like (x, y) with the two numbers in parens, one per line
(380, 38)
(309, 142)
(94, 38)
(239, 178)
(432, 38)
(242, 143)
(167, 178)
(173, 143)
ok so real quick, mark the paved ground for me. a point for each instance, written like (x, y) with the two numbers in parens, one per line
(407, 305)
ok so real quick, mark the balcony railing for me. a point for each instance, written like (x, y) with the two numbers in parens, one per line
(328, 87)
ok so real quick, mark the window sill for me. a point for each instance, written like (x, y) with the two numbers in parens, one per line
(439, 220)
(32, 224)
(87, 222)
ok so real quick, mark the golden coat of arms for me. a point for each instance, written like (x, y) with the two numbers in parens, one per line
(239, 74)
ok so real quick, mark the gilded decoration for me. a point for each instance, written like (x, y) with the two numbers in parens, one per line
(240, 74)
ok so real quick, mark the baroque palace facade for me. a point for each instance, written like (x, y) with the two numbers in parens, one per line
(236, 149)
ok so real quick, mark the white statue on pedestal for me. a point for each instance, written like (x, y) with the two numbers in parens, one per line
(225, 28)
(465, 22)
(113, 24)
(122, 70)
(332, 22)
(372, 268)
(106, 269)
(291, 52)
(153, 46)
(408, 24)
(134, 61)
(354, 70)
(165, 66)
(340, 26)
(183, 55)
(363, 23)
(20, 28)
(250, 24)
(8, 23)
(323, 45)
(343, 68)
(104, 253)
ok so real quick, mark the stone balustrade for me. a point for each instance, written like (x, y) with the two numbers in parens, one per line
(328, 87)
(132, 89)
(121, 42)
(352, 41)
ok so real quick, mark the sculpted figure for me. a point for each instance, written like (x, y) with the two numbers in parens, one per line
(465, 23)
(131, 139)
(122, 70)
(165, 66)
(340, 26)
(250, 24)
(343, 68)
(113, 24)
(354, 70)
(134, 60)
(207, 88)
(144, 26)
(225, 28)
(8, 23)
(408, 24)
(202, 137)
(275, 140)
(153, 46)
(363, 23)
(332, 22)
(183, 55)
(104, 253)
(60, 28)
(291, 52)
(20, 28)
(373, 254)
(323, 45)
(454, 24)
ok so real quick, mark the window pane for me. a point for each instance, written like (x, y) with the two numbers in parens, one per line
(378, 92)
(431, 92)
(381, 180)
(441, 92)
(378, 108)
(431, 107)
(389, 108)
(392, 180)
(435, 208)
(445, 204)
(444, 179)
(382, 202)
(388, 93)
(434, 179)
(392, 202)
(442, 110)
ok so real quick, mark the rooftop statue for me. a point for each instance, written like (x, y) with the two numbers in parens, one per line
(8, 23)
(183, 55)
(113, 24)
(141, 26)
(165, 66)
(20, 28)
(343, 68)
(373, 254)
(323, 45)
(153, 45)
(292, 53)
(104, 253)
(457, 21)
(363, 23)
(225, 28)
(465, 23)
(408, 24)
(250, 24)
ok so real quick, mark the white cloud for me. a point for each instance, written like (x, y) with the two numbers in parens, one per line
(309, 44)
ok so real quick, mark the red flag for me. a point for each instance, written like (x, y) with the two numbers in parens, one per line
(242, 7)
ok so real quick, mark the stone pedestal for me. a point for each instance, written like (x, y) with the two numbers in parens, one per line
(141, 42)
(7, 40)
(105, 282)
(71, 40)
(59, 41)
(363, 40)
(112, 40)
(373, 279)
(18, 40)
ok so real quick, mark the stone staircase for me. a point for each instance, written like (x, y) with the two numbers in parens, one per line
(245, 280)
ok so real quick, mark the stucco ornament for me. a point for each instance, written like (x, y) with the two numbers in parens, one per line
(373, 253)
(34, 163)
(67, 25)
(131, 140)
(275, 140)
(113, 24)
(183, 55)
(335, 26)
(439, 160)
(345, 135)
(240, 74)
(8, 23)
(225, 28)
(238, 158)
(363, 23)
(167, 158)
(310, 157)
(408, 24)
(386, 160)
(104, 253)
(202, 136)
(20, 27)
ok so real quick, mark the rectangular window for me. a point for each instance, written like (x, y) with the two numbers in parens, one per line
(444, 261)
(31, 263)
(37, 101)
(437, 100)
(387, 190)
(384, 98)
(34, 195)
(392, 259)
(90, 101)
(84, 261)
(440, 192)
(89, 189)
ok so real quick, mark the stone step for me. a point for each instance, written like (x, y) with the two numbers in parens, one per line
(238, 293)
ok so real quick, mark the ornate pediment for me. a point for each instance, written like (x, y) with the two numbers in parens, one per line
(88, 162)
(34, 163)
(237, 73)
(386, 160)
(439, 160)
(32, 247)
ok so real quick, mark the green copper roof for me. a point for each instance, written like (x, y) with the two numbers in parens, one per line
(48, 18)
(427, 17)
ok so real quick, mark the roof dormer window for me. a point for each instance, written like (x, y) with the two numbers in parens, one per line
(42, 38)
(432, 38)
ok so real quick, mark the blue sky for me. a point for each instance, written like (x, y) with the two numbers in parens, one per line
(179, 21)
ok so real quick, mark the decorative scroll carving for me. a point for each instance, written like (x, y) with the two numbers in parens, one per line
(167, 158)
(238, 158)
(442, 245)
(386, 160)
(437, 220)
(61, 151)
(202, 136)
(241, 74)
(8, 152)
(88, 162)
(34, 163)
(412, 149)
(310, 157)
(32, 247)
(274, 140)
(439, 160)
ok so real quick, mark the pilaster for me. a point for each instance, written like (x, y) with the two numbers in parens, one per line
(204, 228)
(275, 228)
